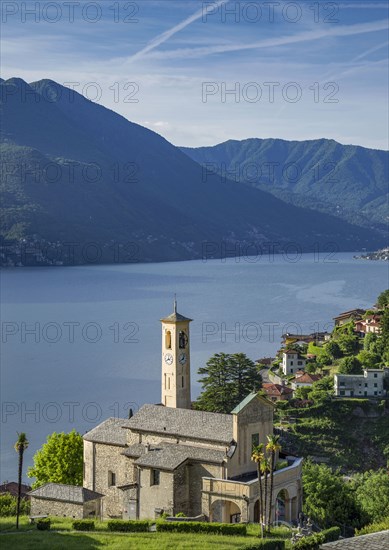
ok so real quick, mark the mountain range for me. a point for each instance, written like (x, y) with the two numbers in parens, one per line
(76, 172)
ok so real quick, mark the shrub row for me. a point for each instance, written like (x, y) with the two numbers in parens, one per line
(134, 526)
(373, 527)
(315, 541)
(202, 527)
(43, 524)
(266, 544)
(84, 525)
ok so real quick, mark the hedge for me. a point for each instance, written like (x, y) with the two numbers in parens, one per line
(43, 524)
(202, 527)
(134, 526)
(84, 525)
(315, 541)
(382, 525)
(266, 544)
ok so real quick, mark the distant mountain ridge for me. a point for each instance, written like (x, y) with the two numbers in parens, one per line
(346, 181)
(74, 171)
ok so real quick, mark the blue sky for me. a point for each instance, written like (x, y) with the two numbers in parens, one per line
(299, 70)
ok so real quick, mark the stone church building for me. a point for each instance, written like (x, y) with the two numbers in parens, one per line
(169, 458)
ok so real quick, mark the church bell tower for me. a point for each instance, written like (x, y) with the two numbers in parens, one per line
(176, 361)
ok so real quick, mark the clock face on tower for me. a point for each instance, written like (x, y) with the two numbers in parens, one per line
(168, 358)
(182, 358)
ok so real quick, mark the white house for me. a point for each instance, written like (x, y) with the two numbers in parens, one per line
(368, 384)
(292, 362)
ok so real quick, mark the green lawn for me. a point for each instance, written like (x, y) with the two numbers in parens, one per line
(30, 539)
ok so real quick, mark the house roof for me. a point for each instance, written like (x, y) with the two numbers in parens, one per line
(276, 389)
(12, 488)
(357, 311)
(373, 541)
(182, 422)
(109, 432)
(290, 352)
(169, 456)
(65, 493)
(307, 378)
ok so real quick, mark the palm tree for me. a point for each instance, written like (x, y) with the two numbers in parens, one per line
(265, 467)
(257, 456)
(20, 446)
(272, 447)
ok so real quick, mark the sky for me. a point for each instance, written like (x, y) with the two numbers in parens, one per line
(200, 73)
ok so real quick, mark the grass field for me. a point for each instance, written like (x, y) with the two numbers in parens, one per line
(61, 537)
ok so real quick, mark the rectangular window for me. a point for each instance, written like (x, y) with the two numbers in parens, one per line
(155, 477)
(291, 370)
(111, 479)
(375, 375)
(365, 385)
(341, 392)
(375, 393)
(182, 381)
(254, 440)
(365, 393)
(341, 383)
(375, 385)
(291, 363)
(299, 362)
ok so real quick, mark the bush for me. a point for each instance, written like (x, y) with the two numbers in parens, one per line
(8, 504)
(202, 527)
(43, 524)
(266, 544)
(373, 527)
(310, 543)
(331, 534)
(134, 526)
(84, 525)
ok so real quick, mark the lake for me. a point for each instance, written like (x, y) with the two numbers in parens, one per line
(80, 344)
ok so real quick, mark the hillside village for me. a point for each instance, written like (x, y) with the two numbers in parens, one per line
(323, 400)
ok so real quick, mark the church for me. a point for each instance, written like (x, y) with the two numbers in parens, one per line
(170, 459)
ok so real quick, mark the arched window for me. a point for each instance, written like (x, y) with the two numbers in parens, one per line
(182, 340)
(168, 340)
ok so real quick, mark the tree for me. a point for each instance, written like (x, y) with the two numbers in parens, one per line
(227, 380)
(383, 342)
(348, 344)
(257, 456)
(333, 349)
(272, 447)
(350, 365)
(383, 299)
(372, 495)
(20, 446)
(369, 359)
(327, 498)
(60, 460)
(370, 342)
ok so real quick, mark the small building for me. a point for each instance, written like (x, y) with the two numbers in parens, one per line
(11, 487)
(265, 361)
(56, 499)
(371, 324)
(347, 316)
(277, 392)
(304, 379)
(292, 362)
(368, 384)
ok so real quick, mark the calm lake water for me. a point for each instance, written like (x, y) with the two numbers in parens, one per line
(80, 344)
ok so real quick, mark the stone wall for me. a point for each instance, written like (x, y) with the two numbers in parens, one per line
(155, 496)
(45, 507)
(99, 460)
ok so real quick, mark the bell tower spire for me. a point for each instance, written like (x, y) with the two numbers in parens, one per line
(176, 360)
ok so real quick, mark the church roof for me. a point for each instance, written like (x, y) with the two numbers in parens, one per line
(182, 422)
(248, 399)
(65, 493)
(175, 318)
(110, 432)
(169, 456)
